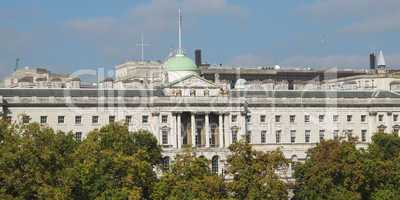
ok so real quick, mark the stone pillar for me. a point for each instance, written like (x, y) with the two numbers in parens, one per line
(179, 132)
(220, 130)
(228, 130)
(193, 129)
(207, 128)
(174, 131)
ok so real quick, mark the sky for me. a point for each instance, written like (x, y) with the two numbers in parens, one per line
(65, 36)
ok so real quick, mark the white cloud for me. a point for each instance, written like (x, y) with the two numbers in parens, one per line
(358, 15)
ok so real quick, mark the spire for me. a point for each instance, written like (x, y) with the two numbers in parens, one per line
(380, 60)
(180, 50)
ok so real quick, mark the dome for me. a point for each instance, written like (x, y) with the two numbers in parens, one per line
(180, 62)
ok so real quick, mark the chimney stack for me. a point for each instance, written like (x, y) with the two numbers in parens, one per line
(197, 55)
(372, 61)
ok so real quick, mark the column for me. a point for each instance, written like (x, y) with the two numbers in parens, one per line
(193, 129)
(207, 129)
(243, 126)
(228, 130)
(174, 131)
(179, 132)
(221, 130)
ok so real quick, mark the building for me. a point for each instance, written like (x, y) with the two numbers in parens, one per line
(184, 104)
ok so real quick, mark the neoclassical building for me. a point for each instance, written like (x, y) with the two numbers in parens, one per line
(186, 109)
(186, 103)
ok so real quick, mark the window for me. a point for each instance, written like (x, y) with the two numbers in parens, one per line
(321, 118)
(292, 118)
(145, 119)
(206, 92)
(395, 118)
(307, 136)
(111, 119)
(192, 92)
(363, 135)
(321, 135)
(95, 119)
(277, 118)
(234, 118)
(349, 118)
(165, 163)
(248, 137)
(78, 136)
(349, 134)
(164, 118)
(78, 119)
(307, 118)
(335, 134)
(128, 119)
(293, 136)
(278, 136)
(335, 118)
(26, 119)
(263, 137)
(363, 118)
(234, 136)
(214, 164)
(43, 119)
(61, 119)
(262, 118)
(164, 135)
(380, 118)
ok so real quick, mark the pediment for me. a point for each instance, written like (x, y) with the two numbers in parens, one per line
(192, 81)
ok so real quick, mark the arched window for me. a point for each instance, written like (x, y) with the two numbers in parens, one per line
(165, 163)
(214, 164)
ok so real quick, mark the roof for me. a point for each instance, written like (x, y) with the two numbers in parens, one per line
(78, 93)
(190, 76)
(180, 62)
(380, 60)
(315, 94)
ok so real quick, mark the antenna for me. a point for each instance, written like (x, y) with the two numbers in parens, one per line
(142, 45)
(16, 64)
(180, 51)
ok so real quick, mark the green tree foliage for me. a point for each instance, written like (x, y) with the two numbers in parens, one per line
(115, 164)
(189, 178)
(33, 162)
(334, 170)
(382, 167)
(254, 173)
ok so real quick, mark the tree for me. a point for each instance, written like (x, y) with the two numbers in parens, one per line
(255, 173)
(190, 177)
(382, 167)
(33, 162)
(115, 164)
(334, 170)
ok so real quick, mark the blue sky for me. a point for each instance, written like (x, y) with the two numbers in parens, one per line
(65, 36)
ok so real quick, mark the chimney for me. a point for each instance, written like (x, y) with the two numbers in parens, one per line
(372, 61)
(197, 55)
